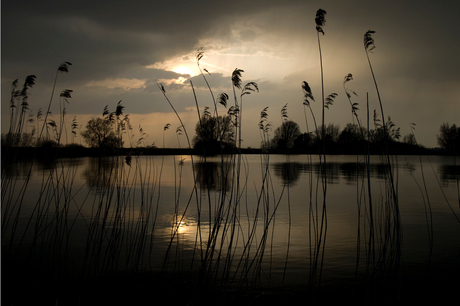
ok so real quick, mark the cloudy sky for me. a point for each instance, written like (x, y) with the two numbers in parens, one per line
(119, 50)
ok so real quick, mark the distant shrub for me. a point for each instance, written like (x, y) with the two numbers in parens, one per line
(449, 137)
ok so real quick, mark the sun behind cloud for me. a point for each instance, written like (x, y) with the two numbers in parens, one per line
(184, 64)
(183, 70)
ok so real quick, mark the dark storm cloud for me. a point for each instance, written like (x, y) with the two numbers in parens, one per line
(103, 40)
(114, 41)
(111, 34)
(106, 38)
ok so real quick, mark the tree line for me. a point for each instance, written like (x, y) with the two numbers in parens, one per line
(217, 134)
(214, 135)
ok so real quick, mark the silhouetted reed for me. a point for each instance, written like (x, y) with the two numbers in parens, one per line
(233, 238)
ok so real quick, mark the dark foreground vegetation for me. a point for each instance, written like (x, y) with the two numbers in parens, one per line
(148, 288)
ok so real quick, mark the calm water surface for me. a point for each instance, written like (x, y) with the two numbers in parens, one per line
(104, 214)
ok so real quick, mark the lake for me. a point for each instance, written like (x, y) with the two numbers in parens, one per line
(290, 224)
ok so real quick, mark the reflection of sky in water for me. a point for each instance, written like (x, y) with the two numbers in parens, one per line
(158, 194)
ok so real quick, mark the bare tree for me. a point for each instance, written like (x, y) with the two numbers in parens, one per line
(285, 135)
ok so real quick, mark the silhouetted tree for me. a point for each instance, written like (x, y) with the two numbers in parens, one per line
(331, 136)
(449, 137)
(304, 141)
(285, 135)
(384, 133)
(410, 139)
(18, 139)
(213, 134)
(352, 134)
(99, 133)
(352, 138)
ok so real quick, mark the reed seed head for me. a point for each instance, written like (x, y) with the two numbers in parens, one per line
(320, 20)
(330, 100)
(222, 99)
(369, 41)
(64, 67)
(307, 93)
(236, 77)
(348, 78)
(199, 55)
(66, 93)
(250, 87)
(119, 110)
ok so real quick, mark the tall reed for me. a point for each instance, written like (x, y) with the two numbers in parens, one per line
(234, 236)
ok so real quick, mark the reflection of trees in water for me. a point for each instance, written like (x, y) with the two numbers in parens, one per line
(449, 173)
(22, 169)
(214, 175)
(350, 171)
(288, 172)
(50, 164)
(209, 174)
(100, 171)
(19, 170)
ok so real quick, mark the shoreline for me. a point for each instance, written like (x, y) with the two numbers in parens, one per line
(27, 153)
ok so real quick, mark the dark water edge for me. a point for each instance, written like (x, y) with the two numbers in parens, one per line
(28, 153)
(21, 287)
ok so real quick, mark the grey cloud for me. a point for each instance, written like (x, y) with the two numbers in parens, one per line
(416, 40)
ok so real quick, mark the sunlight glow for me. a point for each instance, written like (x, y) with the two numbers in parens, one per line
(183, 70)
(184, 225)
(181, 227)
(185, 64)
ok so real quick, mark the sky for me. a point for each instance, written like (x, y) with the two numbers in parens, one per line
(121, 50)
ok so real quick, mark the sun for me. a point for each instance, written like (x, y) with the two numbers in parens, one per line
(183, 70)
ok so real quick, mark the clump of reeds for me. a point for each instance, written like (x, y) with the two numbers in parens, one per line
(231, 243)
